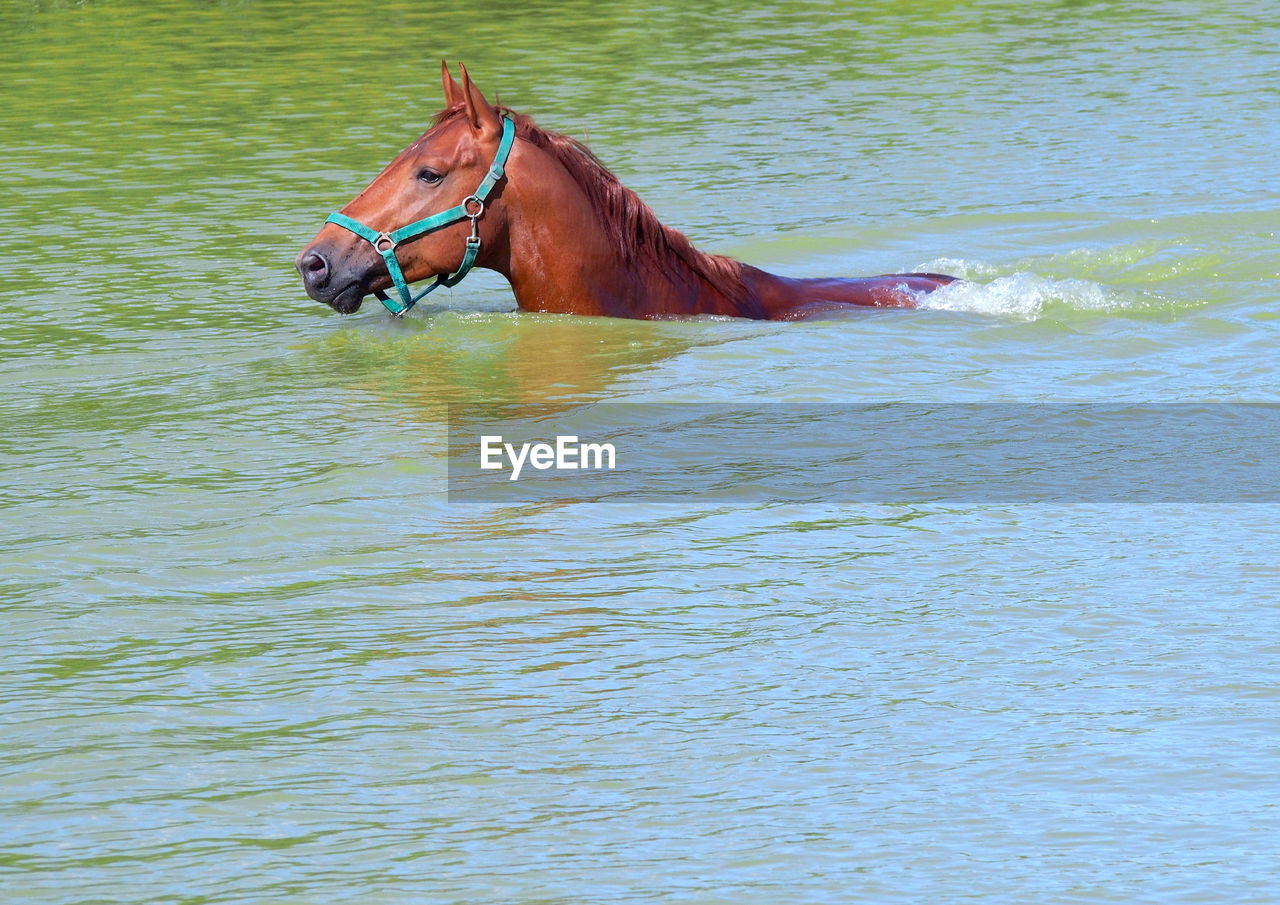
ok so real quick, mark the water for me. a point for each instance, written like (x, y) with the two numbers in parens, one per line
(252, 653)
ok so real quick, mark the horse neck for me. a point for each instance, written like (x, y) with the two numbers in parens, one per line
(559, 258)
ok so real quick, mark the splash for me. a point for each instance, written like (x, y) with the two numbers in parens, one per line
(982, 289)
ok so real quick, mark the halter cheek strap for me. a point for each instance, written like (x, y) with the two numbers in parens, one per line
(471, 208)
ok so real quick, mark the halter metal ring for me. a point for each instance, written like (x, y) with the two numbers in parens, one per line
(466, 206)
(384, 237)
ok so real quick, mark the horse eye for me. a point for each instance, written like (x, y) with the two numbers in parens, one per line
(429, 176)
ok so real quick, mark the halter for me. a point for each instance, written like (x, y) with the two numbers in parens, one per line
(471, 208)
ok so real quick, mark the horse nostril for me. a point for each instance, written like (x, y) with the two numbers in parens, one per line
(315, 269)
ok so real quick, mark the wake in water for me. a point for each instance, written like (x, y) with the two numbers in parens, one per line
(983, 289)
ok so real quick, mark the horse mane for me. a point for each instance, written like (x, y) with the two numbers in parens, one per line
(640, 238)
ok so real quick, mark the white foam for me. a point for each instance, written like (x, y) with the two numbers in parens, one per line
(982, 290)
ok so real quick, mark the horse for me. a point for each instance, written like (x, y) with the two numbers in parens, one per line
(486, 187)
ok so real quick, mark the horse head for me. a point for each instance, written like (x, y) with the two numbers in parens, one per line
(435, 177)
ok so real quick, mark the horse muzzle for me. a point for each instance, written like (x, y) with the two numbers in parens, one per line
(336, 277)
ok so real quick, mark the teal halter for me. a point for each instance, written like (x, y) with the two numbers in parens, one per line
(471, 208)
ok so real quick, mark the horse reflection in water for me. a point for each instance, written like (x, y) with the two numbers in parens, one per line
(486, 187)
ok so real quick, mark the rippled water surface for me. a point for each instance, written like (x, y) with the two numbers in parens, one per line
(252, 652)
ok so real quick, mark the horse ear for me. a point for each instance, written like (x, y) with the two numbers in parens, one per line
(452, 90)
(484, 119)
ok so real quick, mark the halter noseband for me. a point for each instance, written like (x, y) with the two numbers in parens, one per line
(471, 208)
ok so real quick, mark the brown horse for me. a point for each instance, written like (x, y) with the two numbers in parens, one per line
(567, 235)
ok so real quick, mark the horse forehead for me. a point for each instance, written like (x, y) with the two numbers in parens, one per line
(443, 139)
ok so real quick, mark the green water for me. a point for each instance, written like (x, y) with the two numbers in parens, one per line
(252, 653)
